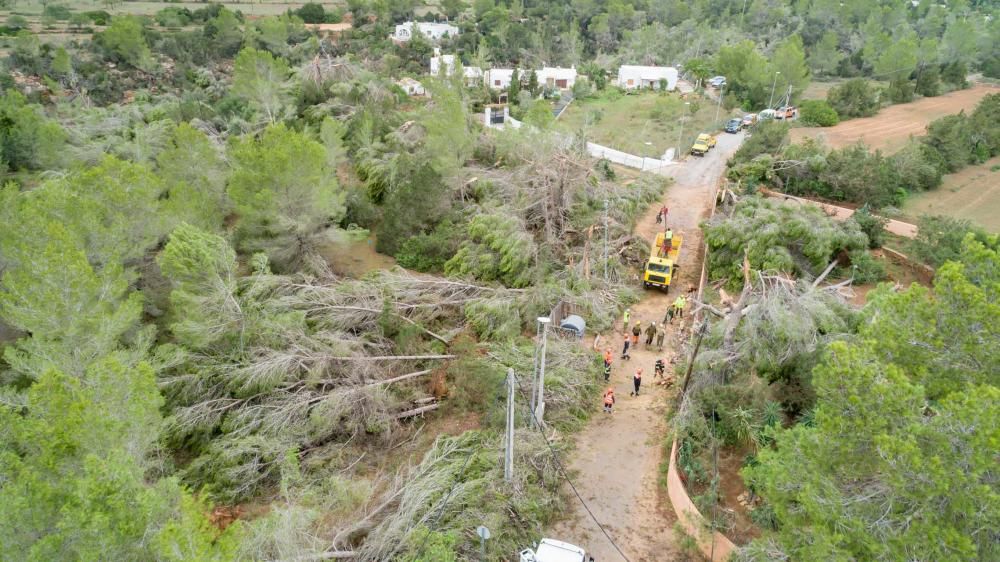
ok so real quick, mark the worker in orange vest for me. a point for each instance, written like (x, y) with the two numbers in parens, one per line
(609, 399)
(636, 381)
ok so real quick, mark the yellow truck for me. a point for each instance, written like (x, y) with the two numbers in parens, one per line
(662, 263)
(703, 144)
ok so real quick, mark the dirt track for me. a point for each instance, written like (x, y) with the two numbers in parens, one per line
(890, 129)
(617, 457)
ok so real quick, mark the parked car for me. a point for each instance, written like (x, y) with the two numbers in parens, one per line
(767, 115)
(784, 112)
(717, 81)
(734, 125)
(749, 120)
(703, 144)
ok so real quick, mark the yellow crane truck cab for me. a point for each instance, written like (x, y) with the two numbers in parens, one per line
(662, 263)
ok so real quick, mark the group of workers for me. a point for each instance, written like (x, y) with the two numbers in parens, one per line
(659, 332)
(652, 331)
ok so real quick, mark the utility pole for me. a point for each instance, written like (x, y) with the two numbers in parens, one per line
(534, 370)
(605, 240)
(722, 92)
(680, 137)
(702, 330)
(540, 400)
(508, 455)
(770, 100)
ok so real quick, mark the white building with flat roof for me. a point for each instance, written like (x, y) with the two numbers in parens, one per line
(473, 76)
(411, 87)
(556, 77)
(635, 77)
(499, 78)
(431, 30)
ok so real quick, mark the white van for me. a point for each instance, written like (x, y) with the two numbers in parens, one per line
(551, 550)
(766, 115)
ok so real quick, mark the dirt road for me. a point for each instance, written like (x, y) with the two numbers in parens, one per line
(899, 228)
(617, 456)
(890, 129)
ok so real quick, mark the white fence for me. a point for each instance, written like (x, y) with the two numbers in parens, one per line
(491, 119)
(626, 159)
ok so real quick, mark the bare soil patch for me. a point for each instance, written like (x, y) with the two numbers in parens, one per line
(893, 126)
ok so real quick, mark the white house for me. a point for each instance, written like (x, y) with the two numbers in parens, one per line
(447, 61)
(431, 30)
(556, 77)
(473, 76)
(632, 77)
(411, 87)
(499, 78)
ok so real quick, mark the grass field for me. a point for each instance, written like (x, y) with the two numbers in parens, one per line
(893, 126)
(973, 194)
(644, 124)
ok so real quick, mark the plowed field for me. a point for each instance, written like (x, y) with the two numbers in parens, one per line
(890, 129)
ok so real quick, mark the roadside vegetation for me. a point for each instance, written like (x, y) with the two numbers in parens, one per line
(856, 175)
(184, 376)
(830, 405)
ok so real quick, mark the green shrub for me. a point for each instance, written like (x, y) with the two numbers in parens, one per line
(98, 17)
(872, 225)
(939, 239)
(818, 112)
(16, 22)
(918, 166)
(953, 138)
(173, 17)
(57, 12)
(928, 82)
(311, 13)
(866, 268)
(954, 73)
(767, 138)
(854, 98)
(429, 251)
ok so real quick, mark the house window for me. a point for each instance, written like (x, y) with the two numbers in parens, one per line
(561, 84)
(496, 82)
(631, 82)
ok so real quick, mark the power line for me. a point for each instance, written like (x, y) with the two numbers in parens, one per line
(562, 471)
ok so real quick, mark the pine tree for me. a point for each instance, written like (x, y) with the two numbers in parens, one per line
(74, 314)
(515, 87)
(79, 457)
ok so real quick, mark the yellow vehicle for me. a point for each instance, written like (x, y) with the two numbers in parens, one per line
(703, 144)
(662, 262)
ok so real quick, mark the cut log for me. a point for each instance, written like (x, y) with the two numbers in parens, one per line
(416, 411)
(384, 357)
(400, 378)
